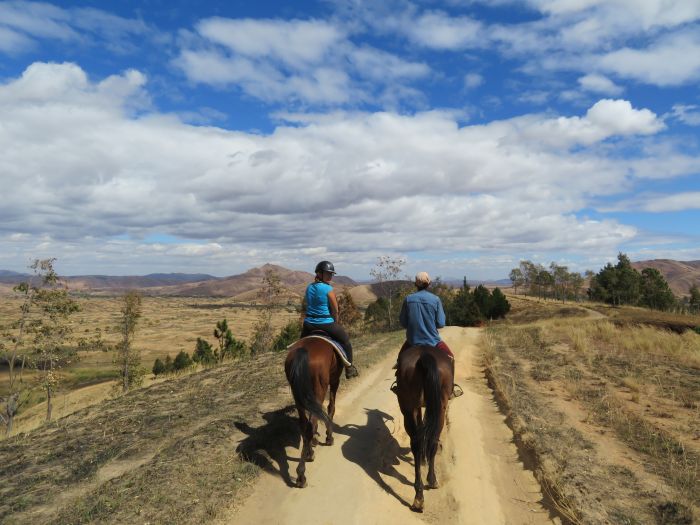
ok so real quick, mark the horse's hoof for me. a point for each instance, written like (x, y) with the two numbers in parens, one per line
(433, 485)
(301, 483)
(417, 506)
(329, 441)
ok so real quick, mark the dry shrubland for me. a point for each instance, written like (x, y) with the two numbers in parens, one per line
(609, 413)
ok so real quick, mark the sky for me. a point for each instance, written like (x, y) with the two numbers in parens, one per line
(462, 135)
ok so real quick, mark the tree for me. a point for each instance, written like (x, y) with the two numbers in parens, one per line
(203, 353)
(560, 280)
(694, 300)
(289, 333)
(616, 285)
(51, 329)
(386, 273)
(655, 292)
(229, 346)
(263, 333)
(158, 367)
(461, 309)
(182, 360)
(499, 305)
(517, 278)
(377, 314)
(128, 357)
(169, 365)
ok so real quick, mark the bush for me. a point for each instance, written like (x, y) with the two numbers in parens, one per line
(289, 333)
(158, 367)
(169, 365)
(203, 353)
(182, 360)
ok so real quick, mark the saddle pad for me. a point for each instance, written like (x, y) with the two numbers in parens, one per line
(336, 346)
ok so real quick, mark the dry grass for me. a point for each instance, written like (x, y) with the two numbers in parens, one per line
(608, 410)
(167, 326)
(171, 453)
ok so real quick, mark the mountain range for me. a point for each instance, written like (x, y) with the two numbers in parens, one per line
(681, 275)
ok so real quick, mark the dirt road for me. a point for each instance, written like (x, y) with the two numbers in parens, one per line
(366, 477)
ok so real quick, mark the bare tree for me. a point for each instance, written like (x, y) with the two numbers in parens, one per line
(263, 334)
(386, 272)
(128, 357)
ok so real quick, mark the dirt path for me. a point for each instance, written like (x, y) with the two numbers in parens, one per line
(367, 476)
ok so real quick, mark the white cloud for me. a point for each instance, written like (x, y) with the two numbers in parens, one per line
(656, 203)
(472, 80)
(438, 30)
(294, 61)
(88, 170)
(688, 114)
(599, 84)
(22, 23)
(671, 61)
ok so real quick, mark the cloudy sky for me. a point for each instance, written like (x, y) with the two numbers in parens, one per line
(464, 135)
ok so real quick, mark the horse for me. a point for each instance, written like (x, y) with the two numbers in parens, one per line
(424, 378)
(311, 367)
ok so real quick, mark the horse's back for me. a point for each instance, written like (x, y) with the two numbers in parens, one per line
(322, 359)
(410, 374)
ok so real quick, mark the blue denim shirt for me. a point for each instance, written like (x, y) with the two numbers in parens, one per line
(421, 315)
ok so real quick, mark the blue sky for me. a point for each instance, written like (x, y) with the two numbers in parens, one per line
(463, 135)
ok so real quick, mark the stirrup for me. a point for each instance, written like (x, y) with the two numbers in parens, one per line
(456, 391)
(394, 388)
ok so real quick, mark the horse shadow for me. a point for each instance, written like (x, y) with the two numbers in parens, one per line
(374, 448)
(265, 446)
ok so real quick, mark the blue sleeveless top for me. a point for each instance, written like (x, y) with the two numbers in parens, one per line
(317, 310)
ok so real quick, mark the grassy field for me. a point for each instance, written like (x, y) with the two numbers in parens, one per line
(178, 451)
(167, 326)
(607, 413)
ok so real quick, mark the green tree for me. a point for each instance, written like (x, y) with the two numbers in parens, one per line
(182, 360)
(694, 299)
(158, 367)
(377, 314)
(462, 309)
(655, 292)
(288, 334)
(229, 346)
(499, 305)
(203, 353)
(482, 298)
(128, 357)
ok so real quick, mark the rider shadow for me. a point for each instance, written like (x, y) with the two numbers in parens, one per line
(266, 445)
(374, 448)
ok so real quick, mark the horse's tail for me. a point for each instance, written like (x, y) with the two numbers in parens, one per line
(302, 388)
(429, 430)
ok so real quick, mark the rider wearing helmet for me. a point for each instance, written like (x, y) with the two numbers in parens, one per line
(321, 311)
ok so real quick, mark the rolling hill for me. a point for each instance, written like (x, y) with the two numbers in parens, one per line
(681, 275)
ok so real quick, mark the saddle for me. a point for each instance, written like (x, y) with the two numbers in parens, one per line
(336, 346)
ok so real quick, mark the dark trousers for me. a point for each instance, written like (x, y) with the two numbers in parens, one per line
(334, 331)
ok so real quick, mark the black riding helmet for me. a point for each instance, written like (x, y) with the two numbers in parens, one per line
(325, 266)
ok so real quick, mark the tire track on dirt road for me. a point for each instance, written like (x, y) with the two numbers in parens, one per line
(366, 477)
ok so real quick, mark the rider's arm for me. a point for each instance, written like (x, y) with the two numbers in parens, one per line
(333, 305)
(440, 321)
(403, 316)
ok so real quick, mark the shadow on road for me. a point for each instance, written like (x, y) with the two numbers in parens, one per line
(266, 445)
(374, 448)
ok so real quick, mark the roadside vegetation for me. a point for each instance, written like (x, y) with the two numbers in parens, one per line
(607, 414)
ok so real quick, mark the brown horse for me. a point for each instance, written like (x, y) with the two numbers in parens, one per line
(424, 378)
(311, 367)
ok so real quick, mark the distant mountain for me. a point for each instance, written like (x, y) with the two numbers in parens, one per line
(681, 275)
(245, 285)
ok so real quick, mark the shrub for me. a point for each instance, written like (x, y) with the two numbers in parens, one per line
(158, 367)
(289, 333)
(203, 353)
(182, 360)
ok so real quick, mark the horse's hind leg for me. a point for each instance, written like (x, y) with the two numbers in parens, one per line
(432, 478)
(306, 451)
(410, 424)
(331, 411)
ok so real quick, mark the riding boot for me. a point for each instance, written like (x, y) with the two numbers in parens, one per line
(351, 371)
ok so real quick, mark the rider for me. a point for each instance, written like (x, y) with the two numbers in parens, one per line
(421, 315)
(321, 312)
